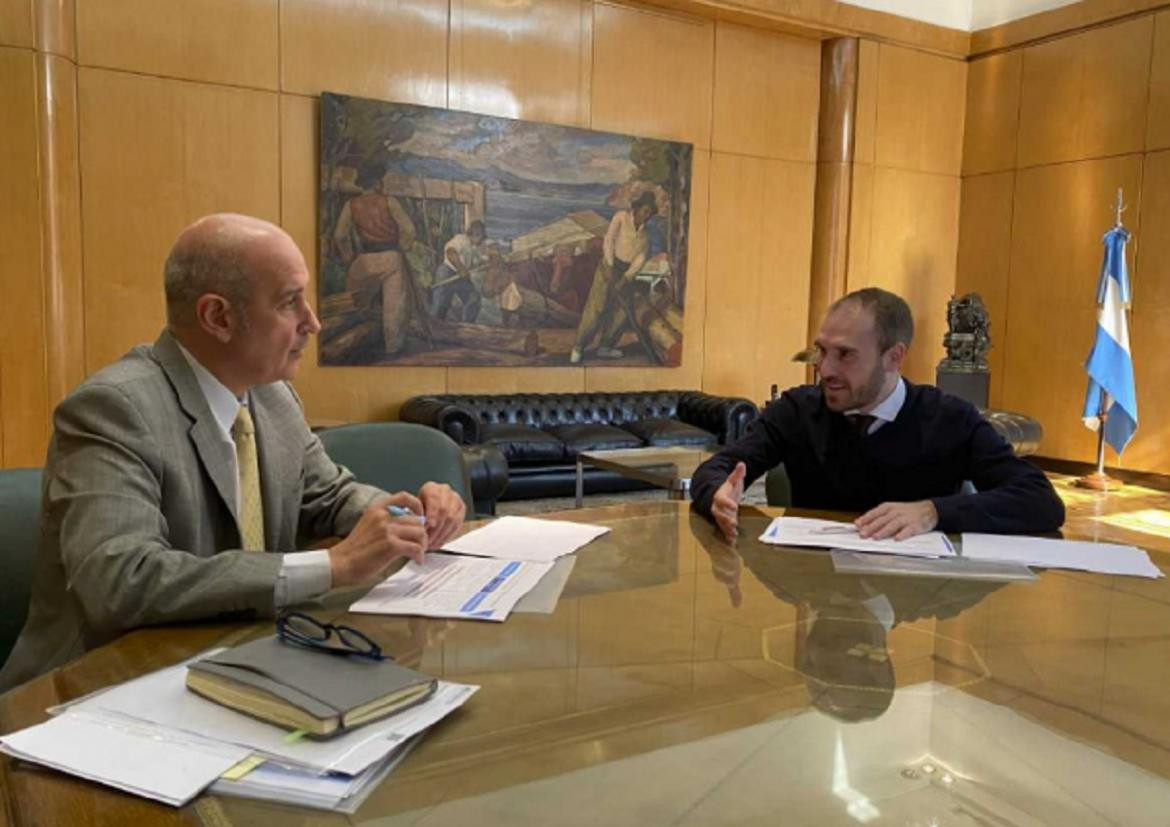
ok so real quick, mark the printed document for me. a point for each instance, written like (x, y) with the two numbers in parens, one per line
(125, 755)
(525, 538)
(163, 700)
(1102, 558)
(449, 585)
(805, 531)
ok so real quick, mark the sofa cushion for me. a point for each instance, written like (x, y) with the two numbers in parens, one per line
(665, 432)
(591, 437)
(520, 443)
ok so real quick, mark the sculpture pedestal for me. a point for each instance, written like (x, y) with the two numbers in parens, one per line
(972, 386)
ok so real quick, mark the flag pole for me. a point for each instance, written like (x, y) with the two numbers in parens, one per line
(1099, 480)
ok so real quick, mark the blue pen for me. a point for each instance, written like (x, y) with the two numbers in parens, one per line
(399, 511)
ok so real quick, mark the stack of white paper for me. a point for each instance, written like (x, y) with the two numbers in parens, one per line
(155, 738)
(449, 585)
(525, 538)
(140, 760)
(1102, 558)
(291, 785)
(804, 531)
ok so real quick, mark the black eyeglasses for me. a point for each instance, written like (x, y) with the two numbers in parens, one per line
(300, 629)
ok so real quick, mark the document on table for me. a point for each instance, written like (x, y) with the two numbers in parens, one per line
(1102, 558)
(449, 585)
(525, 538)
(805, 531)
(289, 785)
(139, 759)
(163, 700)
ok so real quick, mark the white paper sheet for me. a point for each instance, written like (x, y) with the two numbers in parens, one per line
(162, 698)
(525, 538)
(449, 585)
(804, 531)
(125, 755)
(1103, 558)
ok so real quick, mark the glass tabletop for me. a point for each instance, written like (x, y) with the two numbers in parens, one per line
(667, 467)
(682, 680)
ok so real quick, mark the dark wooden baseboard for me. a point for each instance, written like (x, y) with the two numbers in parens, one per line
(1158, 482)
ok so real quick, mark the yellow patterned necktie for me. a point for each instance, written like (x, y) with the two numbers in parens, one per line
(251, 506)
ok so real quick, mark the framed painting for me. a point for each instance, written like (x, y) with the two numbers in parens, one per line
(450, 238)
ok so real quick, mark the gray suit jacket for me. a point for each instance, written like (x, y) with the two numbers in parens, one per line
(139, 524)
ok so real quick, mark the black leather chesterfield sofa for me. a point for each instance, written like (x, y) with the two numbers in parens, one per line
(540, 435)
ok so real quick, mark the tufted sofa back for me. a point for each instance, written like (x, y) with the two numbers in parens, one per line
(462, 415)
(546, 410)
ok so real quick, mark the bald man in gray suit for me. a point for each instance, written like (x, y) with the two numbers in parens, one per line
(142, 523)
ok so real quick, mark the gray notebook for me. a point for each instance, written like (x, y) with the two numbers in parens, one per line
(306, 689)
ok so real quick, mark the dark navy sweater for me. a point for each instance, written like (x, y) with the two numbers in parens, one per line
(936, 442)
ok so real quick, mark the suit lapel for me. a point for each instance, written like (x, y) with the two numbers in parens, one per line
(279, 431)
(217, 457)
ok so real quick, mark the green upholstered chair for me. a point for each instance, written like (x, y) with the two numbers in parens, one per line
(777, 487)
(20, 521)
(399, 456)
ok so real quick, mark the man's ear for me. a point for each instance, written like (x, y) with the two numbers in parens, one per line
(214, 315)
(895, 356)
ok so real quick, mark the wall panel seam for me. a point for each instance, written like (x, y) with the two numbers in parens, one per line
(197, 82)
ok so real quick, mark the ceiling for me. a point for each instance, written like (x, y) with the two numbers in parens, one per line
(965, 15)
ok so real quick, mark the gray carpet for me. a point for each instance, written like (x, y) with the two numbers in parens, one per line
(753, 496)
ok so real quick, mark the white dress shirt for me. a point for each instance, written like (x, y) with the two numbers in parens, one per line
(303, 575)
(886, 410)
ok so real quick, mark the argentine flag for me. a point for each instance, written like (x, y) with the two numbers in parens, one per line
(1110, 367)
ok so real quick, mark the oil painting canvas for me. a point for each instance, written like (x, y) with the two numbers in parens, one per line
(450, 238)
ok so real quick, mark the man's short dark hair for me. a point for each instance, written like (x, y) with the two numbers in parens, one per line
(891, 315)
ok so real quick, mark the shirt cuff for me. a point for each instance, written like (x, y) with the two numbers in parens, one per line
(303, 575)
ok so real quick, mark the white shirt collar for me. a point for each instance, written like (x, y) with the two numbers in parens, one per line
(887, 409)
(223, 403)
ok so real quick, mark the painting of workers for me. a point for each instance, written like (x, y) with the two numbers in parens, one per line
(450, 238)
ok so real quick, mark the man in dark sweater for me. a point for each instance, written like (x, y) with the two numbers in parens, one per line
(866, 440)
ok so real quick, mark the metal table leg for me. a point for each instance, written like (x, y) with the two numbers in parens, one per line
(580, 483)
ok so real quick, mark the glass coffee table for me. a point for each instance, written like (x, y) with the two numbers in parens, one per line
(670, 468)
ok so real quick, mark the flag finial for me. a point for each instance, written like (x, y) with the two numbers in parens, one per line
(1118, 208)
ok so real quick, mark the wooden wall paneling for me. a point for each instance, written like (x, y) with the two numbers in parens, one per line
(16, 23)
(1158, 116)
(529, 61)
(24, 403)
(992, 121)
(913, 249)
(690, 373)
(865, 113)
(652, 74)
(55, 27)
(767, 90)
(393, 50)
(220, 41)
(860, 227)
(351, 394)
(920, 110)
(1084, 96)
(60, 184)
(1149, 333)
(760, 246)
(985, 228)
(155, 155)
(1055, 22)
(1058, 218)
